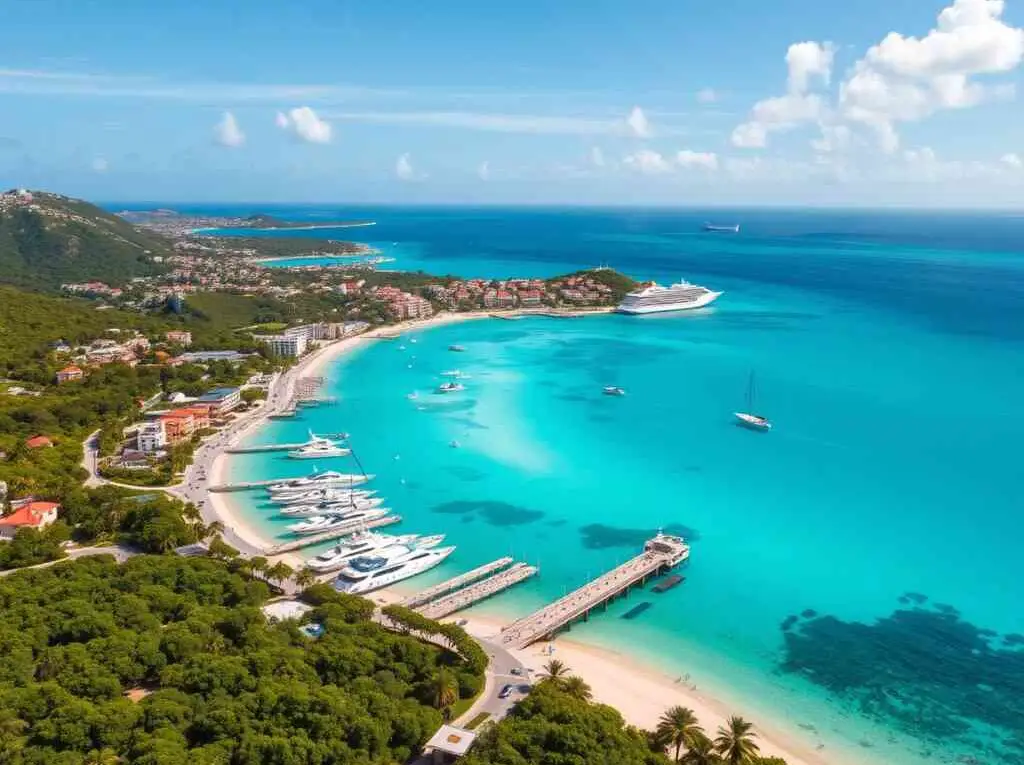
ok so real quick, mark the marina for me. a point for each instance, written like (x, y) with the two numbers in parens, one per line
(326, 536)
(480, 590)
(661, 553)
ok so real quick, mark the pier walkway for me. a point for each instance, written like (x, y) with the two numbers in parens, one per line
(474, 593)
(280, 447)
(307, 540)
(450, 585)
(660, 554)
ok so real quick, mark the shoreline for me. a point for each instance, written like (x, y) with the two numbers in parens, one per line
(311, 227)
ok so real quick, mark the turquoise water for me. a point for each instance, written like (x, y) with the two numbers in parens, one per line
(855, 571)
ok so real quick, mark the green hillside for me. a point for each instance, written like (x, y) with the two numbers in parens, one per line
(53, 239)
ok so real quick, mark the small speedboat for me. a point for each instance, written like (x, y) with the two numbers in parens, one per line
(450, 387)
(753, 421)
(614, 390)
(457, 348)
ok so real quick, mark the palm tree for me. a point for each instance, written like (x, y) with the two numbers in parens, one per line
(279, 572)
(678, 727)
(701, 751)
(216, 528)
(576, 686)
(445, 689)
(735, 742)
(305, 578)
(258, 564)
(555, 671)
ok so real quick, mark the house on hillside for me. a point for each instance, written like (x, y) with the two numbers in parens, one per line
(33, 515)
(69, 374)
(179, 337)
(38, 442)
(222, 400)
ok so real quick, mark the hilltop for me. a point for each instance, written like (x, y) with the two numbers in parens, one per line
(49, 239)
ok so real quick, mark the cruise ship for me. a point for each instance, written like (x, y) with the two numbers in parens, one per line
(365, 543)
(329, 508)
(654, 298)
(335, 521)
(385, 567)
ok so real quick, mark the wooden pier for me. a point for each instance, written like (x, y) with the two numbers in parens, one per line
(660, 554)
(308, 540)
(450, 585)
(244, 485)
(474, 593)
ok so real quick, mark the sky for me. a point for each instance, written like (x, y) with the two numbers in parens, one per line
(666, 102)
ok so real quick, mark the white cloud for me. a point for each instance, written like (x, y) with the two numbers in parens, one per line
(906, 79)
(648, 162)
(834, 138)
(597, 157)
(638, 124)
(483, 171)
(699, 159)
(305, 124)
(404, 169)
(99, 165)
(807, 60)
(707, 96)
(1012, 160)
(499, 123)
(227, 132)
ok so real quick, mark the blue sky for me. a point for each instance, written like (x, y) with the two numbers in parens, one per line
(903, 102)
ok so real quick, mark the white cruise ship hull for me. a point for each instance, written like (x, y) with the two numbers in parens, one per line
(706, 299)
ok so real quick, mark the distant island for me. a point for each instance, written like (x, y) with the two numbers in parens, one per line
(173, 222)
(261, 220)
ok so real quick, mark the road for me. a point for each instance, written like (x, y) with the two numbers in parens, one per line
(90, 458)
(121, 553)
(497, 676)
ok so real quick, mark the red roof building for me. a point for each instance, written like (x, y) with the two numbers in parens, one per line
(34, 515)
(38, 442)
(68, 374)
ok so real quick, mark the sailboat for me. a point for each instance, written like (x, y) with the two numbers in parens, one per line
(748, 419)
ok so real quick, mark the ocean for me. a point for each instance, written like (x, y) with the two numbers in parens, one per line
(854, 572)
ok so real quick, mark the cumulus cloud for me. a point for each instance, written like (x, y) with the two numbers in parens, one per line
(805, 62)
(483, 171)
(638, 124)
(905, 79)
(1012, 160)
(227, 132)
(404, 169)
(304, 123)
(700, 159)
(648, 162)
(707, 96)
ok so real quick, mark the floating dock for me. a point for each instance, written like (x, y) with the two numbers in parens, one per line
(450, 585)
(326, 536)
(660, 554)
(474, 593)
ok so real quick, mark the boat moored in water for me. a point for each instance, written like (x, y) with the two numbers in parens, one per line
(653, 298)
(290, 489)
(748, 419)
(360, 543)
(614, 390)
(328, 508)
(385, 567)
(457, 348)
(450, 387)
(319, 523)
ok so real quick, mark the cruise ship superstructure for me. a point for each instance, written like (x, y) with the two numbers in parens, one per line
(654, 298)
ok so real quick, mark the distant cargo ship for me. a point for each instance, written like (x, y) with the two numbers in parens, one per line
(679, 297)
(733, 229)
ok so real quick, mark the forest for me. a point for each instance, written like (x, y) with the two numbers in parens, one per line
(165, 660)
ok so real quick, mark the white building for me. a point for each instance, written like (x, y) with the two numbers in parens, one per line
(151, 437)
(285, 345)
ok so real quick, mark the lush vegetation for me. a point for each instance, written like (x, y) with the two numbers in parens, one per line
(169, 660)
(72, 241)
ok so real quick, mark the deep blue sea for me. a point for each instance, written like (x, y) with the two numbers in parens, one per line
(856, 572)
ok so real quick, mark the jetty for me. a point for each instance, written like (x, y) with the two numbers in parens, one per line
(450, 585)
(280, 447)
(326, 536)
(243, 485)
(660, 554)
(474, 593)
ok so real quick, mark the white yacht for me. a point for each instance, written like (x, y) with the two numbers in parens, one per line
(748, 419)
(654, 298)
(365, 543)
(385, 567)
(287, 490)
(450, 387)
(330, 508)
(319, 447)
(327, 494)
(614, 390)
(335, 521)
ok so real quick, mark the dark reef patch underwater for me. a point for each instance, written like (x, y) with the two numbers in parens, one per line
(598, 536)
(923, 670)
